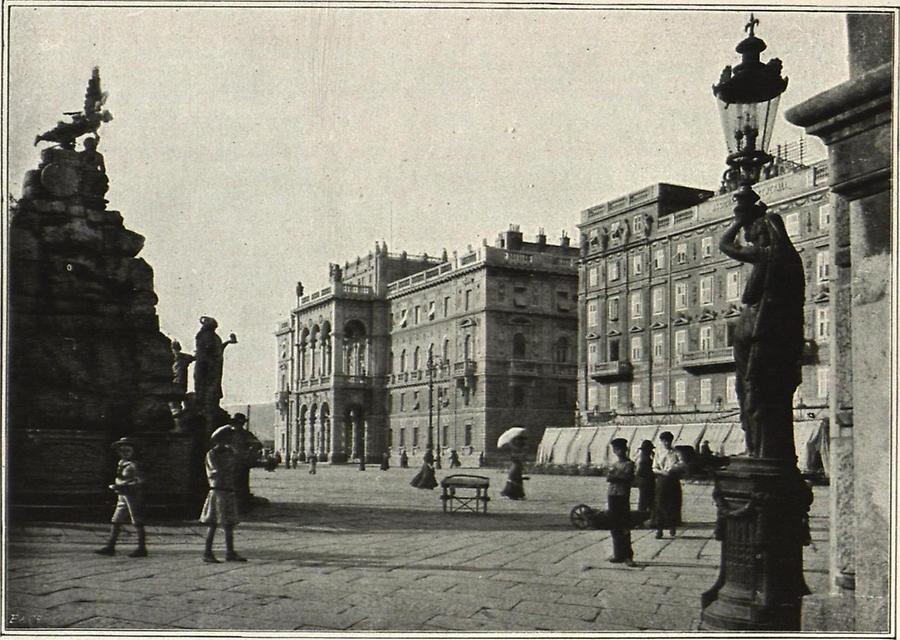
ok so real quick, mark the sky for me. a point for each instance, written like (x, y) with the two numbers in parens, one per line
(253, 146)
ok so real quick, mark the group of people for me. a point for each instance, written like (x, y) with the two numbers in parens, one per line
(227, 466)
(657, 476)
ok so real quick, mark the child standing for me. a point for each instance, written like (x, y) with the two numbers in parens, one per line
(220, 507)
(128, 486)
(620, 474)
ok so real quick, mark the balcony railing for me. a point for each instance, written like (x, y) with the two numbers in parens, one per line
(706, 358)
(564, 369)
(314, 381)
(465, 368)
(519, 367)
(615, 369)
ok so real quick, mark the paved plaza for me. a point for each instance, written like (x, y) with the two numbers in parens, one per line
(346, 550)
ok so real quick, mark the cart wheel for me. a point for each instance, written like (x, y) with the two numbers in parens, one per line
(582, 516)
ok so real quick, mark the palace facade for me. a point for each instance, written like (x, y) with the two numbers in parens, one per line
(400, 351)
(658, 302)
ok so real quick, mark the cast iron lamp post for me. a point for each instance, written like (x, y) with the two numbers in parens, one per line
(434, 362)
(761, 499)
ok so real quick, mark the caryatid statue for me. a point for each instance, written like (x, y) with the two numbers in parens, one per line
(208, 362)
(768, 338)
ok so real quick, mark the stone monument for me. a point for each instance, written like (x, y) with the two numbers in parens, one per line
(87, 361)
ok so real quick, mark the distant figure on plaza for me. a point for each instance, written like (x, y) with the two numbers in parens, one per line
(362, 463)
(129, 488)
(277, 457)
(620, 475)
(220, 508)
(667, 466)
(425, 479)
(385, 461)
(646, 482)
(295, 458)
(454, 459)
(404, 459)
(515, 481)
(768, 338)
(313, 458)
(208, 362)
(480, 459)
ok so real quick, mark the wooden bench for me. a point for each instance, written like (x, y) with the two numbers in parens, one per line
(463, 492)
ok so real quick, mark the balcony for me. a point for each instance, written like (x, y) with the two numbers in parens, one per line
(352, 380)
(519, 367)
(720, 358)
(464, 369)
(566, 370)
(315, 381)
(612, 370)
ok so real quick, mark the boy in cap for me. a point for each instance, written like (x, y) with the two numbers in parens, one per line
(619, 475)
(220, 507)
(128, 486)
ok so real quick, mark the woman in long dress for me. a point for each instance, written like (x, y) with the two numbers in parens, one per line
(646, 482)
(515, 483)
(425, 479)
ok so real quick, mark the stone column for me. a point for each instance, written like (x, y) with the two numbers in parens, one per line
(337, 354)
(854, 121)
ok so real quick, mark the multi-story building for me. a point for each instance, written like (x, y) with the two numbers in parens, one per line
(658, 300)
(401, 351)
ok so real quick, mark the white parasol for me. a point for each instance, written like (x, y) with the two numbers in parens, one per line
(509, 435)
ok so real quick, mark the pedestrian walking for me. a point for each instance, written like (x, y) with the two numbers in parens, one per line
(129, 488)
(404, 459)
(312, 463)
(425, 479)
(646, 482)
(295, 458)
(515, 481)
(620, 475)
(220, 508)
(667, 466)
(454, 459)
(385, 461)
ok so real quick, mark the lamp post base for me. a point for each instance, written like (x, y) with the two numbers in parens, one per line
(762, 523)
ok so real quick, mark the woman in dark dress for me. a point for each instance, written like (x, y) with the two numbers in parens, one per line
(646, 482)
(425, 479)
(515, 484)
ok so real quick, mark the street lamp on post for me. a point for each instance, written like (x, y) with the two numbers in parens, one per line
(762, 502)
(434, 362)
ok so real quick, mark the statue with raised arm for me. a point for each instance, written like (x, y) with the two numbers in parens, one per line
(208, 363)
(83, 122)
(768, 338)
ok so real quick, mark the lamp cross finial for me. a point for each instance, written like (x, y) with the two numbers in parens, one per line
(750, 25)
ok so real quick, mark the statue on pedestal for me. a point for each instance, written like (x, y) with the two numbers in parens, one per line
(209, 360)
(83, 122)
(768, 339)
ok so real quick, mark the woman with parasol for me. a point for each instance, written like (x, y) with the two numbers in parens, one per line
(515, 438)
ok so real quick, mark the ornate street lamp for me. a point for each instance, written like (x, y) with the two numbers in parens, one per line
(434, 362)
(761, 499)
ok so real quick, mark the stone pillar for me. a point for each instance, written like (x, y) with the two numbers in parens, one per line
(854, 121)
(338, 348)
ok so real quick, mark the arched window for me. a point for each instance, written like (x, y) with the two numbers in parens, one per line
(562, 350)
(518, 346)
(391, 363)
(403, 361)
(416, 363)
(467, 348)
(446, 352)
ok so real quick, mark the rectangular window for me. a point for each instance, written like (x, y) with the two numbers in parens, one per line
(404, 317)
(658, 399)
(659, 258)
(594, 276)
(731, 389)
(823, 323)
(733, 285)
(706, 338)
(562, 301)
(415, 436)
(823, 379)
(681, 253)
(612, 269)
(825, 216)
(612, 308)
(415, 399)
(706, 289)
(416, 314)
(659, 345)
(637, 264)
(637, 349)
(680, 392)
(520, 296)
(792, 225)
(431, 310)
(706, 247)
(446, 306)
(680, 341)
(659, 300)
(636, 394)
(823, 265)
(593, 397)
(467, 435)
(681, 296)
(637, 307)
(613, 350)
(637, 225)
(613, 397)
(729, 333)
(592, 354)
(468, 303)
(402, 401)
(402, 437)
(592, 314)
(705, 390)
(501, 291)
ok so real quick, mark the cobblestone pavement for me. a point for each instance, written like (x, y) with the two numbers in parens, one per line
(346, 550)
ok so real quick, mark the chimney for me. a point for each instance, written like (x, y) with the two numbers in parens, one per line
(541, 239)
(513, 239)
(564, 240)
